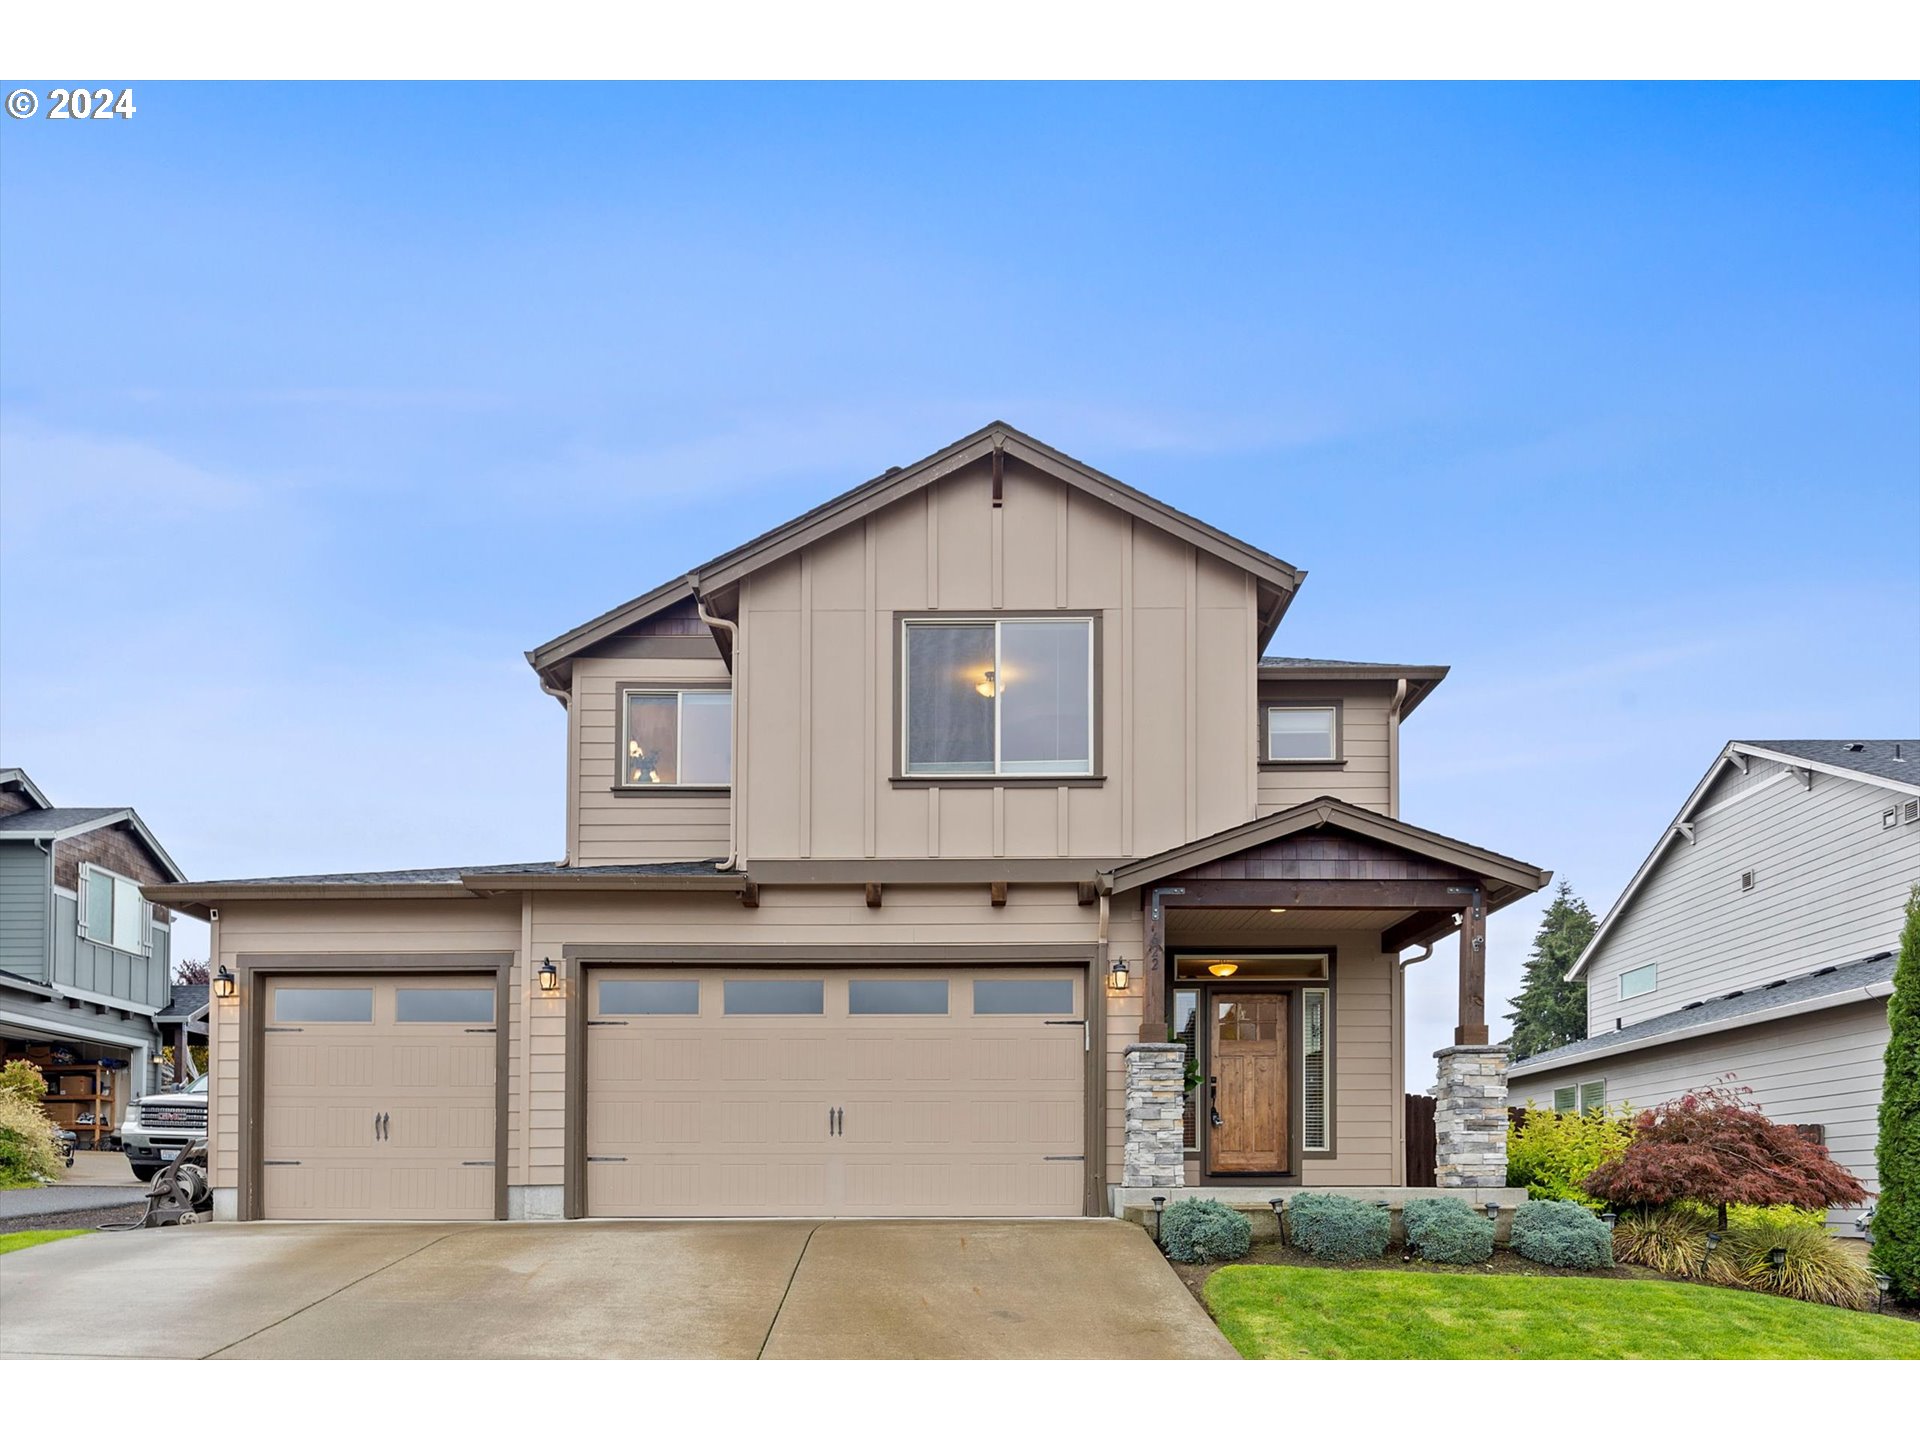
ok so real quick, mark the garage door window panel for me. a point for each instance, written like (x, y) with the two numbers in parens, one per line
(1023, 997)
(649, 997)
(775, 997)
(444, 1007)
(332, 1005)
(897, 997)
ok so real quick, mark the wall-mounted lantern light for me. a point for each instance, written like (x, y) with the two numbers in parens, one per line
(224, 984)
(1117, 976)
(549, 977)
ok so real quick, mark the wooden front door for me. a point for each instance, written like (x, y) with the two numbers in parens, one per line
(1248, 1084)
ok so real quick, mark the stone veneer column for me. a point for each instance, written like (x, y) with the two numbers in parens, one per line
(1470, 1116)
(1156, 1093)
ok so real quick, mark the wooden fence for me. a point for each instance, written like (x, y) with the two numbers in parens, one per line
(1420, 1140)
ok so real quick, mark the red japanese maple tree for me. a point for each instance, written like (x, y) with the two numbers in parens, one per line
(1711, 1145)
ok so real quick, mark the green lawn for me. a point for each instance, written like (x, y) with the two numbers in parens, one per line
(21, 1239)
(1283, 1312)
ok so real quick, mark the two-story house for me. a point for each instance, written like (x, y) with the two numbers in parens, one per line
(85, 980)
(912, 849)
(1757, 941)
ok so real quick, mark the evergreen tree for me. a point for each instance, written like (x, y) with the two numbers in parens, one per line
(1551, 1010)
(1896, 1215)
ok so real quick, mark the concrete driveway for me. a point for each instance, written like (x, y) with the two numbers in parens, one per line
(928, 1289)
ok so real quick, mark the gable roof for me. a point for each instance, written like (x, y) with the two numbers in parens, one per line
(1513, 878)
(63, 822)
(12, 777)
(1805, 754)
(1826, 987)
(897, 483)
(1420, 678)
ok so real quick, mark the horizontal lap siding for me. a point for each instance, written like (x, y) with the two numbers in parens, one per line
(26, 883)
(1366, 1070)
(1819, 1069)
(1366, 779)
(1830, 887)
(617, 829)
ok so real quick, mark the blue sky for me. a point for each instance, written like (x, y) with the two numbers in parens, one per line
(320, 404)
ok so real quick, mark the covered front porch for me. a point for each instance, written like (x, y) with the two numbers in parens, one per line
(1271, 1050)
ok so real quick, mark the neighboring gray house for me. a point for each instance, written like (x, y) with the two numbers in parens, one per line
(85, 961)
(1757, 941)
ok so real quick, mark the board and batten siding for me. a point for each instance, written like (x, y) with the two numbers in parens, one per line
(613, 827)
(1830, 886)
(1175, 712)
(1365, 777)
(26, 888)
(1823, 1068)
(81, 965)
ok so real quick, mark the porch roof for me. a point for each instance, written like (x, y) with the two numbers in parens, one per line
(1504, 878)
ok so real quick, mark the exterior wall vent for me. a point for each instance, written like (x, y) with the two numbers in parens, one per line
(1746, 879)
(1910, 812)
(1890, 817)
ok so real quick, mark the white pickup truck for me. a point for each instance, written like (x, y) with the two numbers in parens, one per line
(160, 1125)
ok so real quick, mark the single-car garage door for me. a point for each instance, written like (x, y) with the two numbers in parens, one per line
(379, 1098)
(777, 1092)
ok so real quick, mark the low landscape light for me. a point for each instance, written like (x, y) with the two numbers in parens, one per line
(1777, 1259)
(1884, 1283)
(1493, 1211)
(549, 977)
(1608, 1218)
(224, 983)
(1713, 1242)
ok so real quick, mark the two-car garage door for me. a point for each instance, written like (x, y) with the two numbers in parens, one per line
(777, 1092)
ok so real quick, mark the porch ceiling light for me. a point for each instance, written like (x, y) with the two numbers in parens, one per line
(1117, 976)
(1276, 910)
(549, 977)
(986, 686)
(224, 984)
(1223, 969)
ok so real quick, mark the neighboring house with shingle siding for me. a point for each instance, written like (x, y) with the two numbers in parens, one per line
(1756, 941)
(85, 960)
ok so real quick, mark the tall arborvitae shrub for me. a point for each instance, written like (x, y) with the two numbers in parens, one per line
(1896, 1215)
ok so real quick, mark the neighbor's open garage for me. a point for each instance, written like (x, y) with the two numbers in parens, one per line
(818, 1093)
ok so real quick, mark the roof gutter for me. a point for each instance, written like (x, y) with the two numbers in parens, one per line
(1853, 995)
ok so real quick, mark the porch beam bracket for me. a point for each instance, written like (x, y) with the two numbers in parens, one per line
(873, 896)
(750, 894)
(997, 893)
(1085, 892)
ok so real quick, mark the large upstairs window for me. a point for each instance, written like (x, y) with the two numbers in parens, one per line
(674, 737)
(997, 697)
(112, 912)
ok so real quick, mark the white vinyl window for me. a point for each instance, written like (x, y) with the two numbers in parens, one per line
(1313, 1059)
(1593, 1096)
(997, 697)
(1303, 732)
(1566, 1099)
(675, 737)
(1641, 981)
(111, 911)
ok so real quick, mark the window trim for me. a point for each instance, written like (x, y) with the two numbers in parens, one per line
(1094, 775)
(82, 894)
(1336, 761)
(679, 689)
(1653, 967)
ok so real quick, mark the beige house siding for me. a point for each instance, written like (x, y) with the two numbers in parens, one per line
(1175, 712)
(1829, 887)
(612, 828)
(1367, 746)
(1823, 1068)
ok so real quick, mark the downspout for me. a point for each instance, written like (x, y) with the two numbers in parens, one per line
(1426, 953)
(733, 723)
(1393, 753)
(565, 697)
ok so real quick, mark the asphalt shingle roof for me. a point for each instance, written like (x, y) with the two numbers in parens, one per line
(450, 874)
(60, 817)
(1737, 1005)
(186, 1000)
(1882, 759)
(1299, 662)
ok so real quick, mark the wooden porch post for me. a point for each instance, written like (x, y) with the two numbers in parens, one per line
(1153, 1021)
(1472, 1029)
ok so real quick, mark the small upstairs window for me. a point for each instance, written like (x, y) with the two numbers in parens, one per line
(112, 912)
(1302, 732)
(675, 737)
(1643, 980)
(997, 697)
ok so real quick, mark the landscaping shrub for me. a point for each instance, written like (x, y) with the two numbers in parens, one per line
(27, 1152)
(1559, 1232)
(1553, 1153)
(1896, 1214)
(23, 1078)
(1669, 1238)
(1334, 1227)
(1448, 1230)
(1819, 1266)
(1204, 1232)
(1713, 1146)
